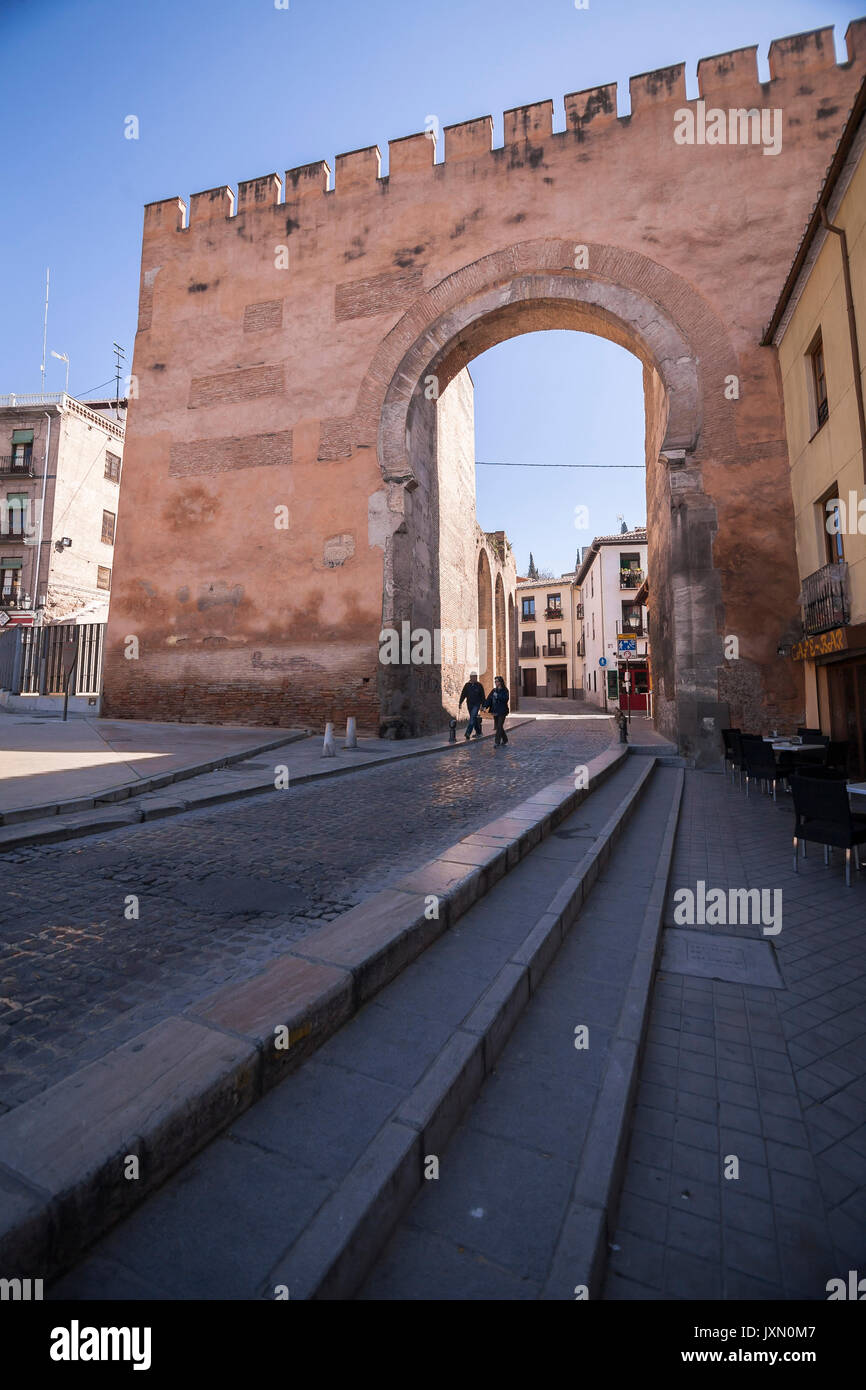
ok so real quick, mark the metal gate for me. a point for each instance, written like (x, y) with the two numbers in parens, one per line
(32, 659)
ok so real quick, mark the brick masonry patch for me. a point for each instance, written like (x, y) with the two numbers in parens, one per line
(225, 455)
(380, 294)
(244, 384)
(259, 317)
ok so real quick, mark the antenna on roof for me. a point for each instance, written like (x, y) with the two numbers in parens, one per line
(119, 353)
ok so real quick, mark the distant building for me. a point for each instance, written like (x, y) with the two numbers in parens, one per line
(60, 467)
(614, 626)
(550, 654)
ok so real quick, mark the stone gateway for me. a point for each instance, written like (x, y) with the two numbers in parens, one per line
(307, 349)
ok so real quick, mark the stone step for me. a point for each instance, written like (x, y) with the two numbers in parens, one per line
(62, 1153)
(551, 1123)
(301, 1190)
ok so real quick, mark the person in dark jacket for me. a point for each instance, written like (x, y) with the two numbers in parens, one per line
(473, 694)
(497, 703)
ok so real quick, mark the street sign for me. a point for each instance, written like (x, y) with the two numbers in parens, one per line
(602, 661)
(4, 618)
(626, 646)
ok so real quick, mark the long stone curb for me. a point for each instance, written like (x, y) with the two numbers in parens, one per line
(581, 1254)
(87, 816)
(334, 1253)
(163, 1095)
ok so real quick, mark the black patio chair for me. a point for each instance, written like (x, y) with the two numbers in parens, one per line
(759, 762)
(822, 814)
(821, 773)
(813, 736)
(837, 755)
(733, 751)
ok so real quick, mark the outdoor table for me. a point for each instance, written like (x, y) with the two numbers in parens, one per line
(856, 788)
(799, 747)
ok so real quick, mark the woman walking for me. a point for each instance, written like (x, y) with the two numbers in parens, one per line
(497, 703)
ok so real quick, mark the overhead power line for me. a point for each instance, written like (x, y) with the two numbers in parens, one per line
(491, 463)
(89, 392)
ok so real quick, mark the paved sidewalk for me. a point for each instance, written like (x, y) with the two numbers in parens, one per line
(773, 1076)
(43, 761)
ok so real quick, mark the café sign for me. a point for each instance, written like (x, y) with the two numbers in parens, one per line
(825, 644)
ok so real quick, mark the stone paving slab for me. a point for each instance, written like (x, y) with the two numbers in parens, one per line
(716, 957)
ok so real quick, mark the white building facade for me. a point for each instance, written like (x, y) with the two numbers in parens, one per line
(614, 633)
(550, 653)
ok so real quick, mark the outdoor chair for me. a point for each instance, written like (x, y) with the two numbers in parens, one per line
(733, 751)
(837, 755)
(812, 736)
(759, 762)
(823, 814)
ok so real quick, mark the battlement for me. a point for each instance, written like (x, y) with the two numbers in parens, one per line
(721, 78)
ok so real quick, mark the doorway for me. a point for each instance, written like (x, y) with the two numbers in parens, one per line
(846, 688)
(557, 682)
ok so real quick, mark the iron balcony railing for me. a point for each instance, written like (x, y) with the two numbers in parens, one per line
(25, 398)
(23, 467)
(580, 649)
(554, 611)
(528, 653)
(632, 627)
(15, 603)
(558, 649)
(580, 610)
(527, 617)
(631, 579)
(825, 599)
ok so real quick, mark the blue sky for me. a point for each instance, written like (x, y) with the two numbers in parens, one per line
(230, 89)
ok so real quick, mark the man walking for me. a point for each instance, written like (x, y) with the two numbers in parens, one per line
(497, 703)
(473, 694)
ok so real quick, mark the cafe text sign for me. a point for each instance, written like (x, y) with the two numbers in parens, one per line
(823, 645)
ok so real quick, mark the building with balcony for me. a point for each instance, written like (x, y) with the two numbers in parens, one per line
(817, 328)
(550, 655)
(612, 582)
(60, 466)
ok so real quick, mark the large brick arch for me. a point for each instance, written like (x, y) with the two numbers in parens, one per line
(637, 303)
(533, 286)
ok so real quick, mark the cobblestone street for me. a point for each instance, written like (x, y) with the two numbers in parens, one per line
(223, 891)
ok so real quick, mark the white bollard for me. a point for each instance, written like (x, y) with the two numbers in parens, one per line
(329, 747)
(351, 735)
